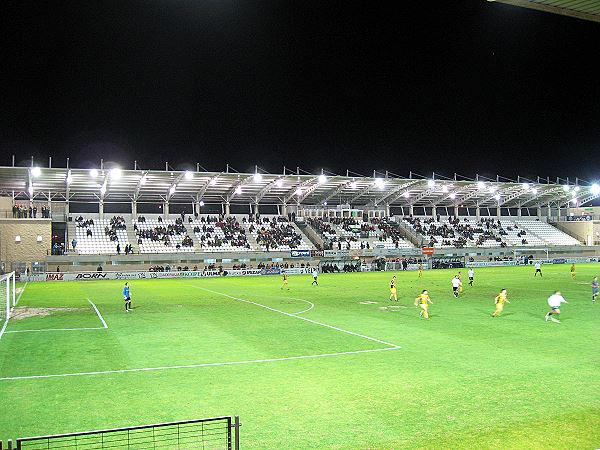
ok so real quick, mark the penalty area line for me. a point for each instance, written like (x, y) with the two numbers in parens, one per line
(55, 329)
(306, 319)
(98, 312)
(194, 366)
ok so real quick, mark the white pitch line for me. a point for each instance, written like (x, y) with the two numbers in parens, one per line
(55, 329)
(3, 328)
(21, 293)
(98, 312)
(194, 366)
(298, 317)
(312, 305)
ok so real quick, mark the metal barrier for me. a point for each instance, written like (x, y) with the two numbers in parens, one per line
(213, 433)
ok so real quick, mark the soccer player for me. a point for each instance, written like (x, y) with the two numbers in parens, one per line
(127, 297)
(315, 275)
(538, 269)
(554, 301)
(393, 290)
(285, 281)
(420, 270)
(422, 301)
(471, 276)
(500, 300)
(573, 273)
(460, 288)
(456, 283)
(594, 289)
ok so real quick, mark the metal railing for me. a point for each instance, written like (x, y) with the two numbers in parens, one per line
(219, 433)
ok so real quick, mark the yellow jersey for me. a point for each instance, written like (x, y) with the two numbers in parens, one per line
(285, 277)
(500, 299)
(423, 299)
(393, 284)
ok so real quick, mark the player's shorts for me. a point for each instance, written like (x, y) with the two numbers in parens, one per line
(538, 270)
(455, 288)
(499, 306)
(470, 278)
(127, 299)
(554, 308)
(594, 290)
(393, 290)
(423, 306)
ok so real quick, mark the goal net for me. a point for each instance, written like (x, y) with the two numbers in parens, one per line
(7, 295)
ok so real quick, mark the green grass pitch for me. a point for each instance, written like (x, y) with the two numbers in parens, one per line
(314, 367)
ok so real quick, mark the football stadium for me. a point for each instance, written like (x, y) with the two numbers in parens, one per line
(277, 225)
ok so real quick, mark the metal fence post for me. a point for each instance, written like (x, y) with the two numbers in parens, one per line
(237, 432)
(9, 444)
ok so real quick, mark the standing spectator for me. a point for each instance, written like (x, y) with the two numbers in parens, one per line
(74, 244)
(118, 249)
(34, 212)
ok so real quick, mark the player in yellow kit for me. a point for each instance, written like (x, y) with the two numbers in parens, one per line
(393, 291)
(285, 281)
(460, 288)
(423, 301)
(420, 270)
(573, 271)
(500, 300)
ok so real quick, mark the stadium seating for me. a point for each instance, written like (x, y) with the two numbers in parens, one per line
(220, 234)
(100, 237)
(165, 236)
(546, 232)
(276, 233)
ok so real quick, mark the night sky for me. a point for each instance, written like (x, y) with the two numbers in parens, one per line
(468, 87)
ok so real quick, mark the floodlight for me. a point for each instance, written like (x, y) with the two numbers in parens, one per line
(172, 190)
(93, 173)
(534, 191)
(201, 203)
(577, 188)
(406, 194)
(353, 185)
(574, 201)
(257, 177)
(566, 188)
(497, 197)
(103, 189)
(143, 179)
(444, 189)
(279, 183)
(493, 189)
(595, 189)
(30, 190)
(298, 191)
(188, 175)
(480, 184)
(526, 186)
(379, 182)
(238, 190)
(213, 182)
(69, 177)
(453, 196)
(116, 173)
(324, 203)
(36, 171)
(431, 183)
(322, 179)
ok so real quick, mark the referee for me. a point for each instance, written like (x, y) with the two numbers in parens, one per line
(127, 297)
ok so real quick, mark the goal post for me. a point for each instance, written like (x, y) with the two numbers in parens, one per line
(7, 295)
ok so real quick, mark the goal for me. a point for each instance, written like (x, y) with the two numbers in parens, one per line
(7, 295)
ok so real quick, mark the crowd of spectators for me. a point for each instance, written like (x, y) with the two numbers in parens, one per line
(274, 233)
(30, 211)
(231, 230)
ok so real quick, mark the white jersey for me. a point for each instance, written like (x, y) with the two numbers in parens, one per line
(555, 300)
(538, 266)
(471, 273)
(315, 273)
(455, 282)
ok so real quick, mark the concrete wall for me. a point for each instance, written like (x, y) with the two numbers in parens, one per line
(585, 231)
(28, 249)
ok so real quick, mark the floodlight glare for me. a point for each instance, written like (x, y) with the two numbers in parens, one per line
(480, 184)
(213, 182)
(534, 190)
(115, 173)
(238, 190)
(143, 179)
(298, 191)
(257, 177)
(406, 194)
(30, 189)
(201, 203)
(526, 186)
(172, 190)
(93, 173)
(379, 182)
(453, 196)
(188, 175)
(595, 189)
(353, 185)
(444, 189)
(574, 201)
(577, 188)
(566, 188)
(492, 189)
(322, 179)
(324, 203)
(431, 183)
(103, 189)
(497, 197)
(279, 183)
(36, 171)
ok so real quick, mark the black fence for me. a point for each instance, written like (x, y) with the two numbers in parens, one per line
(218, 433)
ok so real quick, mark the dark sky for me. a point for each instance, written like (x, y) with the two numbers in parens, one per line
(448, 86)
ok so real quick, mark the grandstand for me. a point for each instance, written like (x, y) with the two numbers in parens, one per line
(193, 216)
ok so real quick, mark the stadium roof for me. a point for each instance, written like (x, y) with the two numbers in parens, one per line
(158, 186)
(580, 9)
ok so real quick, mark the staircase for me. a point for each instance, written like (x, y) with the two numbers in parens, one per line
(312, 235)
(132, 238)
